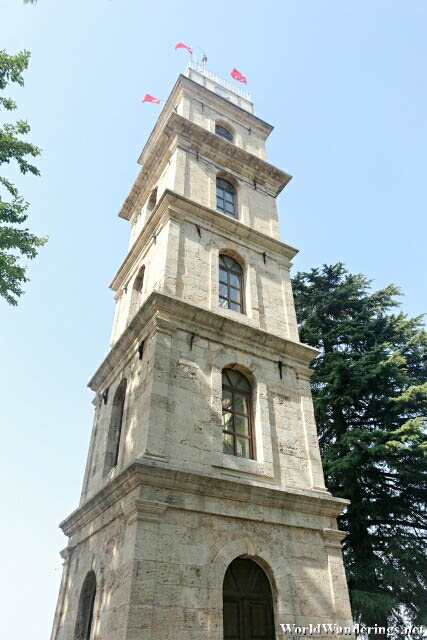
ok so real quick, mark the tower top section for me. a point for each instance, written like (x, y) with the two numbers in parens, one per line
(198, 72)
(213, 124)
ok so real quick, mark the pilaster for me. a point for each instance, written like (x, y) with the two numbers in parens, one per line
(337, 577)
(159, 391)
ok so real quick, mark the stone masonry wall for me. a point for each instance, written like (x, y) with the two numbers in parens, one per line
(160, 555)
(173, 410)
(184, 264)
(267, 288)
(207, 116)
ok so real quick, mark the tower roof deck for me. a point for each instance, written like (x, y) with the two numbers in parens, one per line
(232, 103)
(237, 95)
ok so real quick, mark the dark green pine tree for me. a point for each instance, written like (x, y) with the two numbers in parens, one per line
(370, 397)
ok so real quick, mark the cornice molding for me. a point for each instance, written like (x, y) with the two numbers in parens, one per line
(161, 312)
(136, 509)
(173, 205)
(177, 129)
(184, 86)
(139, 476)
(66, 554)
(333, 538)
(230, 155)
(142, 327)
(191, 88)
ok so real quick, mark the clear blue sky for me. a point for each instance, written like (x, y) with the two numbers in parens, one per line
(343, 82)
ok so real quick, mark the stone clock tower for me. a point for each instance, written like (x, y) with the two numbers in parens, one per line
(203, 513)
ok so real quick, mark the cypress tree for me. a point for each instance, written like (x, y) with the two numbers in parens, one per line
(370, 396)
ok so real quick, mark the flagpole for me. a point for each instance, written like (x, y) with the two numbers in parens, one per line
(204, 57)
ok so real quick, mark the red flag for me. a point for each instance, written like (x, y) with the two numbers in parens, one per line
(148, 98)
(238, 76)
(181, 45)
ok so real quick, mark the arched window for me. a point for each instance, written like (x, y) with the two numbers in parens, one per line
(85, 610)
(230, 284)
(222, 132)
(136, 296)
(139, 280)
(237, 428)
(226, 197)
(115, 430)
(152, 201)
(247, 602)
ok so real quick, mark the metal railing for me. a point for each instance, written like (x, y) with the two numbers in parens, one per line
(201, 68)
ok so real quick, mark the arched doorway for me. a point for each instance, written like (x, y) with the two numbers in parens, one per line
(248, 602)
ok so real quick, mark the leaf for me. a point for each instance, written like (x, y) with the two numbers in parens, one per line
(14, 241)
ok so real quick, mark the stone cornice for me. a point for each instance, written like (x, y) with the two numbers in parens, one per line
(150, 172)
(129, 340)
(166, 312)
(229, 155)
(225, 108)
(66, 554)
(179, 130)
(137, 509)
(186, 86)
(194, 89)
(333, 538)
(182, 207)
(139, 474)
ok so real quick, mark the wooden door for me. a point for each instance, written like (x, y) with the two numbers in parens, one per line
(248, 603)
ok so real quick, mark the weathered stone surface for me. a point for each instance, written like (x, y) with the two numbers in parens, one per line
(160, 525)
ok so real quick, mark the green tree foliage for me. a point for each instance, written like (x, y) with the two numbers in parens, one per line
(15, 242)
(370, 398)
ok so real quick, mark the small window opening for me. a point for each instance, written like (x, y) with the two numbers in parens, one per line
(115, 430)
(85, 609)
(226, 197)
(152, 201)
(136, 296)
(222, 132)
(139, 280)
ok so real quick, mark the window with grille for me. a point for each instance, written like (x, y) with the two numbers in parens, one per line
(226, 197)
(222, 132)
(237, 429)
(230, 284)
